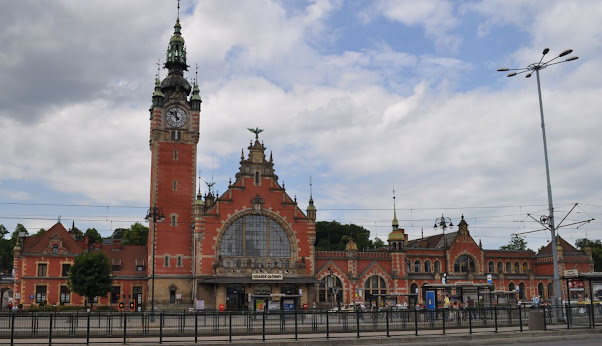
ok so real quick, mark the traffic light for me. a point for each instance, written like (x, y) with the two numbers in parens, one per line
(132, 306)
(121, 306)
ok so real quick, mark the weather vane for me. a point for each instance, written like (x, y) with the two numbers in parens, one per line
(256, 131)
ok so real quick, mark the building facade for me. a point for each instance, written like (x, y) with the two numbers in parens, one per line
(252, 247)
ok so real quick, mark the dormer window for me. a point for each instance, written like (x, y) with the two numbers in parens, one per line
(55, 249)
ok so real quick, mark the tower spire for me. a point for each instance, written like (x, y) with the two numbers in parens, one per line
(175, 62)
(395, 223)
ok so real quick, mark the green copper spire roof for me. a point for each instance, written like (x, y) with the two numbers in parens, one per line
(176, 62)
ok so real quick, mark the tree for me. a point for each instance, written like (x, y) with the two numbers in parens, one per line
(40, 232)
(516, 243)
(79, 235)
(93, 235)
(378, 243)
(331, 236)
(596, 247)
(137, 234)
(3, 231)
(118, 233)
(90, 275)
(15, 235)
(6, 250)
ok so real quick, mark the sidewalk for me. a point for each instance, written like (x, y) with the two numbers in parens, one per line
(456, 339)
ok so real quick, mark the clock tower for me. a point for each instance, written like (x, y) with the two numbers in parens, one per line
(174, 134)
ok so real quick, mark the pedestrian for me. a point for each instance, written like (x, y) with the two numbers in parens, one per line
(446, 307)
(471, 307)
(10, 305)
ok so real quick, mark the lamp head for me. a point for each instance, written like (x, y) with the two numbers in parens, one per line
(566, 52)
(511, 74)
(502, 69)
(572, 58)
(528, 75)
(545, 51)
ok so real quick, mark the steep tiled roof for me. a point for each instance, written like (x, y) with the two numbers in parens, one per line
(567, 249)
(41, 243)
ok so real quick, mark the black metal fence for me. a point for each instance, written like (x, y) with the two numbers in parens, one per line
(212, 325)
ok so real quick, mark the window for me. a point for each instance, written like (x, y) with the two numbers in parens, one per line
(500, 267)
(540, 290)
(65, 267)
(417, 266)
(427, 266)
(174, 220)
(464, 264)
(65, 295)
(490, 267)
(172, 296)
(508, 267)
(408, 266)
(179, 264)
(521, 290)
(139, 268)
(55, 249)
(116, 267)
(325, 294)
(115, 293)
(261, 236)
(550, 290)
(256, 178)
(516, 267)
(176, 135)
(40, 294)
(175, 154)
(526, 267)
(175, 185)
(413, 288)
(42, 269)
(511, 287)
(375, 285)
(166, 261)
(437, 266)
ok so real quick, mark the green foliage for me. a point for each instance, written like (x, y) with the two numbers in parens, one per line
(3, 231)
(333, 236)
(378, 243)
(79, 235)
(118, 233)
(40, 232)
(516, 243)
(136, 234)
(596, 247)
(15, 235)
(90, 275)
(93, 235)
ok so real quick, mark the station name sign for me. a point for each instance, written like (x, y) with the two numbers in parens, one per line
(260, 276)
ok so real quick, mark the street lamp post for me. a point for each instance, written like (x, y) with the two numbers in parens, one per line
(549, 220)
(154, 214)
(443, 223)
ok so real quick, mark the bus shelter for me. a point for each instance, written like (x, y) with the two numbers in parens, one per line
(393, 299)
(585, 289)
(503, 298)
(461, 292)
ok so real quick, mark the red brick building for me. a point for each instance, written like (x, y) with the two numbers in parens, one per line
(252, 247)
(42, 264)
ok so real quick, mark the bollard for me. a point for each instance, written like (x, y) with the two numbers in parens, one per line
(470, 320)
(357, 321)
(196, 326)
(230, 326)
(545, 324)
(125, 324)
(50, 331)
(88, 330)
(416, 321)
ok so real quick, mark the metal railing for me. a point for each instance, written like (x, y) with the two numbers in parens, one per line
(213, 325)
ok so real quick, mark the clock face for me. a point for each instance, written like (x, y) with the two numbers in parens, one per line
(176, 117)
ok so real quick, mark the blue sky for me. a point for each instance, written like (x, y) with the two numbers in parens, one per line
(359, 95)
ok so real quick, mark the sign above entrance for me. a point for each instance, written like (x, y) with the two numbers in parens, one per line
(259, 276)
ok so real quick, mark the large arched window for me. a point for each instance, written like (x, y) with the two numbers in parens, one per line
(525, 267)
(490, 267)
(516, 267)
(255, 236)
(463, 264)
(550, 290)
(374, 285)
(508, 267)
(540, 290)
(511, 287)
(427, 266)
(500, 267)
(413, 288)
